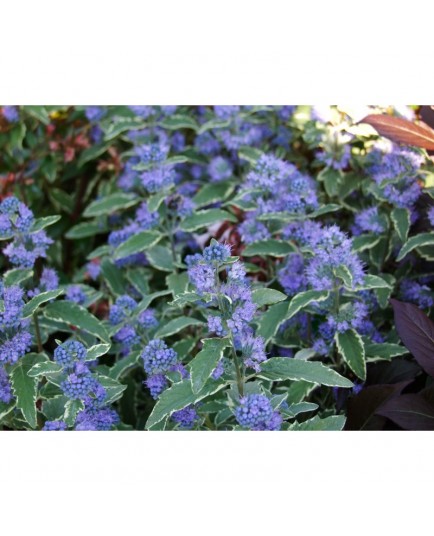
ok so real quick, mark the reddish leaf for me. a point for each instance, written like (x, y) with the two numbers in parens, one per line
(401, 130)
(362, 408)
(411, 412)
(417, 333)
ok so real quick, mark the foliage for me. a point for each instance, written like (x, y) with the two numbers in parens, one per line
(215, 268)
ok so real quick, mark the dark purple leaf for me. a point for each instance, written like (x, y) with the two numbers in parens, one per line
(417, 333)
(411, 412)
(397, 370)
(361, 409)
(401, 130)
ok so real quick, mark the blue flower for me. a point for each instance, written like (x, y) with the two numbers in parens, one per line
(96, 419)
(5, 387)
(157, 357)
(255, 412)
(220, 169)
(75, 294)
(216, 253)
(69, 352)
(156, 383)
(186, 417)
(11, 114)
(54, 426)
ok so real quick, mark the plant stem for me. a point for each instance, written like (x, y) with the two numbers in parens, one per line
(240, 382)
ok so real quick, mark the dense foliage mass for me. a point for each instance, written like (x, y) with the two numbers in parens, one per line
(213, 268)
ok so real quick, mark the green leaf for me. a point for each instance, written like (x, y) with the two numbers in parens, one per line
(295, 409)
(345, 275)
(384, 350)
(373, 281)
(205, 218)
(332, 180)
(303, 299)
(365, 241)
(100, 251)
(186, 297)
(124, 364)
(62, 200)
(267, 296)
(149, 298)
(213, 192)
(111, 203)
(38, 300)
(122, 124)
(298, 390)
(25, 387)
(160, 257)
(325, 209)
(177, 121)
(113, 277)
(41, 223)
(155, 201)
(284, 368)
(39, 113)
(91, 153)
(177, 283)
(44, 368)
(84, 230)
(352, 349)
(184, 347)
(423, 239)
(272, 248)
(334, 423)
(205, 361)
(271, 320)
(401, 221)
(137, 243)
(16, 276)
(113, 387)
(72, 408)
(250, 154)
(213, 124)
(17, 135)
(383, 294)
(54, 408)
(74, 314)
(176, 325)
(96, 351)
(179, 396)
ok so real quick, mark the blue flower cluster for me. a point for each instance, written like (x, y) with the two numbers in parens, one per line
(5, 386)
(255, 412)
(186, 418)
(160, 175)
(331, 249)
(81, 384)
(49, 280)
(417, 292)
(396, 171)
(54, 426)
(15, 339)
(10, 113)
(275, 186)
(129, 322)
(76, 294)
(233, 297)
(16, 221)
(158, 361)
(369, 220)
